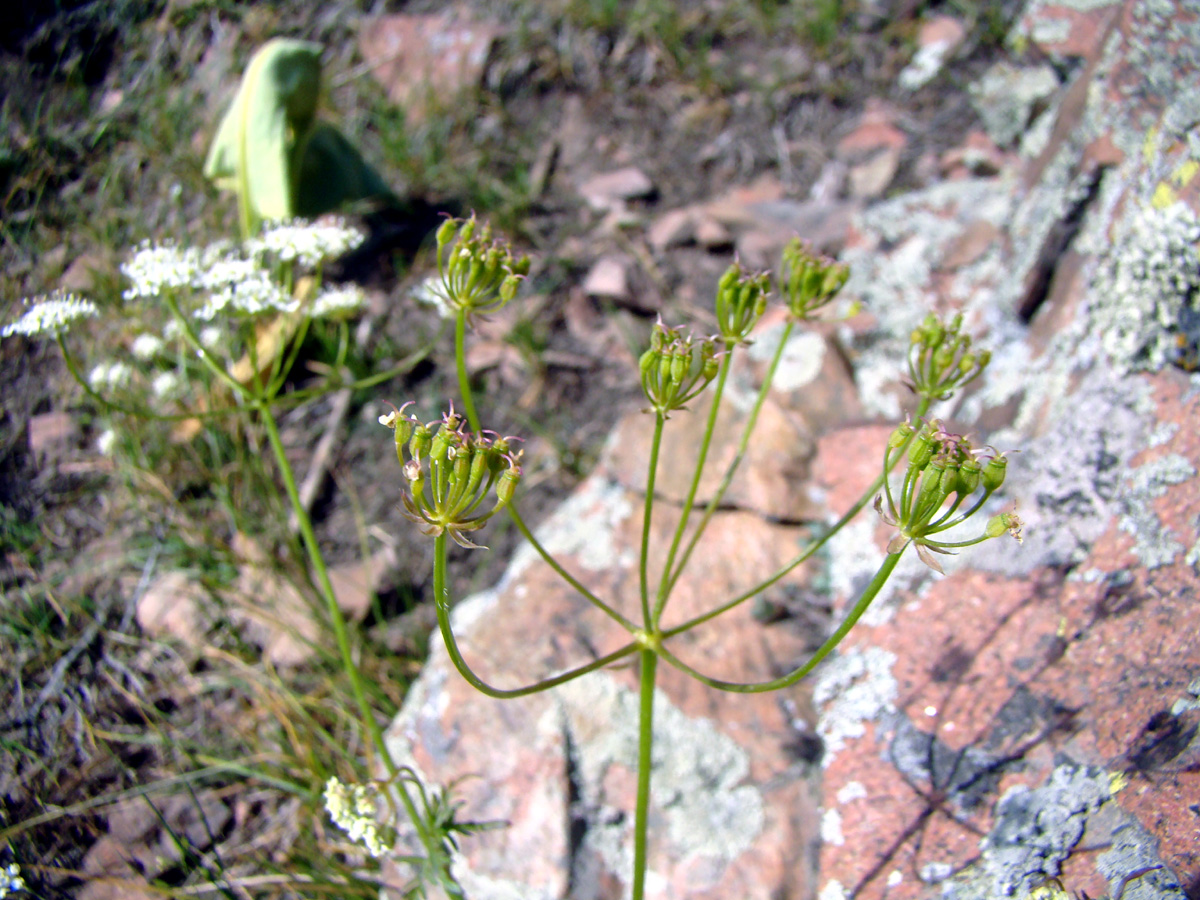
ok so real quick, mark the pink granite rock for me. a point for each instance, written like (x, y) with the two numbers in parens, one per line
(1032, 715)
(424, 58)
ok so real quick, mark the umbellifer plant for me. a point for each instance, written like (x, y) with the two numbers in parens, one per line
(458, 476)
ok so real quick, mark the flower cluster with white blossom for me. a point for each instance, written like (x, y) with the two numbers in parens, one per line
(353, 808)
(10, 880)
(49, 316)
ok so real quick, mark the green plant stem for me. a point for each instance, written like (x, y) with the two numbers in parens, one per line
(868, 595)
(441, 602)
(751, 422)
(808, 551)
(648, 669)
(702, 457)
(317, 560)
(460, 363)
(643, 562)
(564, 574)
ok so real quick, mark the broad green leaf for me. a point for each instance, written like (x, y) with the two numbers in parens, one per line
(274, 109)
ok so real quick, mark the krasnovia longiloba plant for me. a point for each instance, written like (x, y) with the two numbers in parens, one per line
(213, 359)
(457, 475)
(209, 338)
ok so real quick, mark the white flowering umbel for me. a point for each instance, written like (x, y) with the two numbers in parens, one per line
(49, 316)
(308, 244)
(10, 880)
(353, 808)
(155, 268)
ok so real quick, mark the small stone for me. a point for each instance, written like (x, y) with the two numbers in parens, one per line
(607, 279)
(941, 30)
(937, 39)
(971, 245)
(977, 155)
(871, 179)
(611, 189)
(171, 608)
(712, 235)
(424, 58)
(875, 131)
(672, 229)
(51, 433)
(80, 276)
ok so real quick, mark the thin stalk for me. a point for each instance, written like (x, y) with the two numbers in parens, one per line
(460, 363)
(564, 574)
(808, 551)
(872, 590)
(441, 602)
(317, 560)
(711, 508)
(649, 665)
(689, 501)
(651, 474)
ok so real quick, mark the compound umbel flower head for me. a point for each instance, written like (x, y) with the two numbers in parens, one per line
(940, 359)
(451, 472)
(478, 274)
(676, 367)
(741, 301)
(944, 474)
(810, 279)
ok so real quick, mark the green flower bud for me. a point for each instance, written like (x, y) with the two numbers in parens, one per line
(949, 480)
(422, 437)
(1005, 522)
(993, 473)
(648, 361)
(680, 362)
(931, 494)
(902, 433)
(507, 485)
(508, 287)
(445, 232)
(969, 474)
(464, 464)
(729, 279)
(921, 451)
(441, 444)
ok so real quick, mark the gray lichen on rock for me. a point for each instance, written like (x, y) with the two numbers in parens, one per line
(1036, 829)
(1073, 478)
(895, 286)
(699, 775)
(853, 688)
(1154, 544)
(1008, 98)
(583, 530)
(1144, 300)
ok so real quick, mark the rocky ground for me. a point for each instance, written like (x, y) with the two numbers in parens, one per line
(1027, 722)
(1031, 715)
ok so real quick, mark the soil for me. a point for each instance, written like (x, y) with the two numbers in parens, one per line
(698, 114)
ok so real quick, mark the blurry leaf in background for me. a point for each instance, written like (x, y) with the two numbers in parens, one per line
(273, 153)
